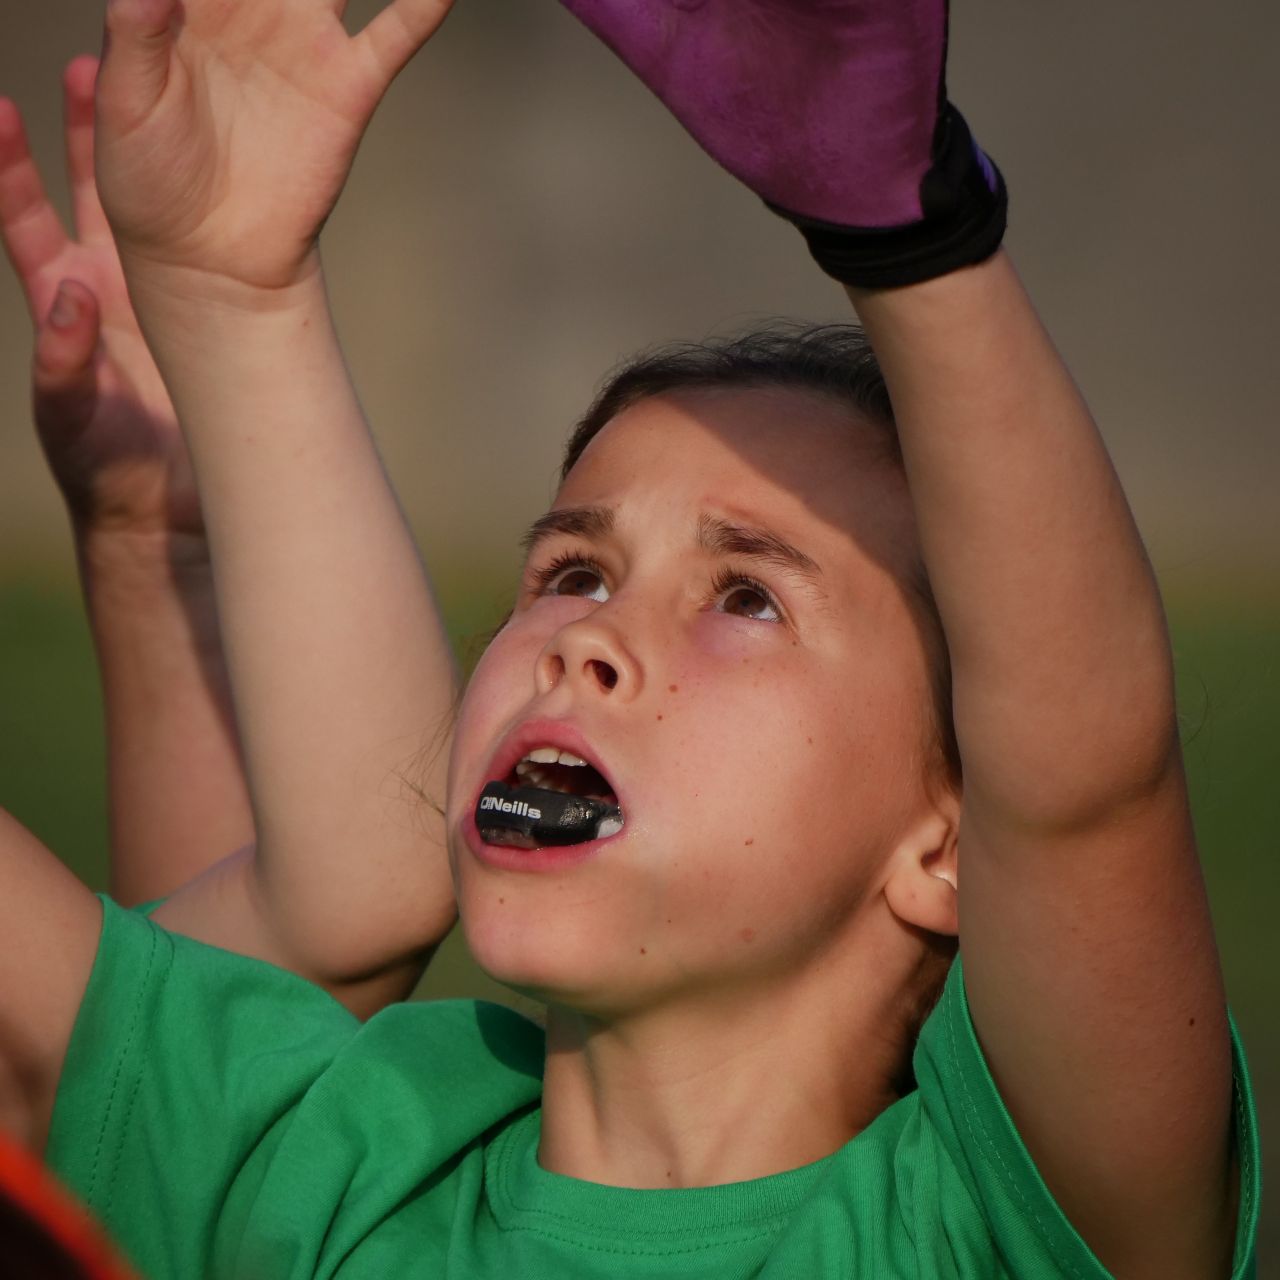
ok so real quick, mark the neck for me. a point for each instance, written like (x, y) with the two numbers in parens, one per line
(721, 1087)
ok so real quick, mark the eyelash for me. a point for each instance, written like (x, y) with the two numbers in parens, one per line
(543, 577)
(726, 578)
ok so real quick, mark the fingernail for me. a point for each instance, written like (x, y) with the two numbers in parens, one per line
(63, 312)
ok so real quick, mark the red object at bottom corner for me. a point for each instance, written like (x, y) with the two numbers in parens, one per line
(45, 1234)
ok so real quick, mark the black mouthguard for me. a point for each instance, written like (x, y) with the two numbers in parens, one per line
(534, 816)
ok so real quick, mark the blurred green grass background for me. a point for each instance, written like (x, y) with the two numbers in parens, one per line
(1228, 657)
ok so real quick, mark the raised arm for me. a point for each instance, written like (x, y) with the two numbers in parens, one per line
(1089, 958)
(340, 667)
(178, 802)
(1090, 962)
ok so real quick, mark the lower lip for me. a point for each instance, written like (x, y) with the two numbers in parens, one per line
(507, 857)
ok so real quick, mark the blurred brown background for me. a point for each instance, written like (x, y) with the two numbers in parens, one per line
(523, 215)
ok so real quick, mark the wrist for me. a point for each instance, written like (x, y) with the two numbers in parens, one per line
(187, 298)
(137, 565)
(222, 345)
(962, 212)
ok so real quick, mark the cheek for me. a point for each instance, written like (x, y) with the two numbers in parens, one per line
(501, 681)
(753, 756)
(733, 673)
(504, 677)
(724, 637)
(795, 768)
(744, 663)
(479, 709)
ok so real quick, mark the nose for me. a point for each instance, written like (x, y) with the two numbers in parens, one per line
(592, 657)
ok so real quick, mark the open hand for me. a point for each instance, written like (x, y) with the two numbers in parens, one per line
(103, 415)
(826, 108)
(226, 128)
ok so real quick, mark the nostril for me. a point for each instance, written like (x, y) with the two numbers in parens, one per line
(603, 672)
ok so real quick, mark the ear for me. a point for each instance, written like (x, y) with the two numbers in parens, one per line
(923, 872)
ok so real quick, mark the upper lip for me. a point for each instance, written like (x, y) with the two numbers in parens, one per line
(545, 733)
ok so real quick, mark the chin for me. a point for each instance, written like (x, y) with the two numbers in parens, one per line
(550, 960)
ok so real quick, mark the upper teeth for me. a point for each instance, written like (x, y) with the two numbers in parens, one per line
(535, 770)
(552, 755)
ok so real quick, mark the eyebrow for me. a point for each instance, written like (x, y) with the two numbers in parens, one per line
(755, 542)
(581, 522)
(715, 536)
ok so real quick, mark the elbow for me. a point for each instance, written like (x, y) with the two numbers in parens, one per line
(1081, 775)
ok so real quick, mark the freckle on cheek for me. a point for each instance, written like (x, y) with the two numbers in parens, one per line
(643, 952)
(659, 715)
(502, 902)
(673, 688)
(751, 841)
(748, 934)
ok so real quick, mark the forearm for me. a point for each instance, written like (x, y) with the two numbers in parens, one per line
(1085, 930)
(1062, 673)
(340, 667)
(178, 801)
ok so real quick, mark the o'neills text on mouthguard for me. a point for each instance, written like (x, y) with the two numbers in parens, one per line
(533, 817)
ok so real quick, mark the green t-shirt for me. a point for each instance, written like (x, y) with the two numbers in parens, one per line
(227, 1119)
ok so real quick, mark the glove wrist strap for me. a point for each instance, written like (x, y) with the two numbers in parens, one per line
(965, 207)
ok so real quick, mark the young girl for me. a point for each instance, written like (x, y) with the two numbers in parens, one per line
(726, 653)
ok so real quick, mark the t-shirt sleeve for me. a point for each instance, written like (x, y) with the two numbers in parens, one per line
(962, 1104)
(184, 1069)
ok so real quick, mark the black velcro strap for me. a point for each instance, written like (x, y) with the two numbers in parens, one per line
(964, 222)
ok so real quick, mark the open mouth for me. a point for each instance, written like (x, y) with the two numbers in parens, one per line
(550, 797)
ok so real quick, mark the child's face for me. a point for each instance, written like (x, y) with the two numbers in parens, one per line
(767, 748)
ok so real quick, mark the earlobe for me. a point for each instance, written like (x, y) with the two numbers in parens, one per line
(921, 889)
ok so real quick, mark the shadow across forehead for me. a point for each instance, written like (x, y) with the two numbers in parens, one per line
(814, 458)
(833, 359)
(714, 534)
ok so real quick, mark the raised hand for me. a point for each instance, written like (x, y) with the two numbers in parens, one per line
(103, 415)
(834, 111)
(225, 131)
(177, 792)
(205, 105)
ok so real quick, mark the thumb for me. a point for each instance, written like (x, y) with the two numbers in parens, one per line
(64, 377)
(135, 57)
(399, 30)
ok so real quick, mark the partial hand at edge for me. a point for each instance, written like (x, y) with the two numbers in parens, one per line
(198, 116)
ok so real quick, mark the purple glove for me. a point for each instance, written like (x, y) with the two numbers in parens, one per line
(835, 112)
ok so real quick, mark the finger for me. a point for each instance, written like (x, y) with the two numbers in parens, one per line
(64, 375)
(135, 58)
(32, 232)
(78, 84)
(398, 32)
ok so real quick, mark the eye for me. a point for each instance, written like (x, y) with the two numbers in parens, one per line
(744, 597)
(571, 575)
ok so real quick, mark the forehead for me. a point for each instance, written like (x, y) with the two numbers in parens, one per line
(796, 459)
